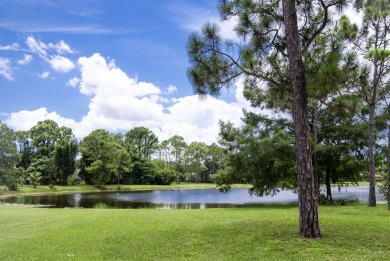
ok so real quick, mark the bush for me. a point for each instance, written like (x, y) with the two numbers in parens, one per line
(12, 181)
(163, 176)
(74, 179)
(383, 187)
(12, 184)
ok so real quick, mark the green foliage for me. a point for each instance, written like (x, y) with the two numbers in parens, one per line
(142, 142)
(8, 155)
(49, 149)
(162, 175)
(34, 177)
(261, 157)
(65, 153)
(101, 206)
(346, 29)
(195, 160)
(12, 181)
(74, 179)
(378, 54)
(104, 159)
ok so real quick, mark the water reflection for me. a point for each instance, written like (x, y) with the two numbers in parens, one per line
(180, 199)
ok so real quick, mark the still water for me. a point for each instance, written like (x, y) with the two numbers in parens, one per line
(179, 199)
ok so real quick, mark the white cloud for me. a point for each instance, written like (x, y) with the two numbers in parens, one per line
(44, 75)
(61, 64)
(5, 68)
(120, 103)
(100, 78)
(171, 89)
(192, 18)
(74, 82)
(355, 17)
(24, 120)
(58, 62)
(27, 58)
(61, 47)
(11, 47)
(37, 46)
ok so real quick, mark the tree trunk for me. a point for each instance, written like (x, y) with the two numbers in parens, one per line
(388, 159)
(328, 186)
(371, 158)
(307, 196)
(371, 135)
(315, 158)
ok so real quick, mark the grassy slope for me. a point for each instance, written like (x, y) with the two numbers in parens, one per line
(268, 233)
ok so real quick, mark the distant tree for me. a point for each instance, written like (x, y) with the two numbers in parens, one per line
(171, 151)
(97, 166)
(143, 141)
(8, 153)
(44, 136)
(123, 162)
(65, 152)
(215, 158)
(56, 146)
(195, 160)
(179, 146)
(34, 177)
(24, 149)
(103, 159)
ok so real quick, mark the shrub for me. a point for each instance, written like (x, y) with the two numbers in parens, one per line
(74, 179)
(12, 181)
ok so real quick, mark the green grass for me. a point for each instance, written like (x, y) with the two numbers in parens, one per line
(353, 232)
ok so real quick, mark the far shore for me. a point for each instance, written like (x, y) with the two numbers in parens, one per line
(70, 189)
(84, 188)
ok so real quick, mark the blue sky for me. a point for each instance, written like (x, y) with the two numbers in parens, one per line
(108, 64)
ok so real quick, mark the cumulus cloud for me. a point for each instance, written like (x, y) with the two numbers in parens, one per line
(61, 64)
(27, 58)
(74, 82)
(57, 61)
(5, 68)
(24, 120)
(119, 103)
(101, 78)
(171, 89)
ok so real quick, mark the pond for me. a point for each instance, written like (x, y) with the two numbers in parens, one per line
(179, 199)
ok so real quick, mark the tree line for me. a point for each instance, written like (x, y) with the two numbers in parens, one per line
(48, 154)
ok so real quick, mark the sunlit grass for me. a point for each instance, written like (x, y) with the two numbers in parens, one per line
(354, 232)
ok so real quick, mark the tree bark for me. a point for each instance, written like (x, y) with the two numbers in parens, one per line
(315, 158)
(371, 158)
(307, 196)
(371, 136)
(329, 196)
(388, 159)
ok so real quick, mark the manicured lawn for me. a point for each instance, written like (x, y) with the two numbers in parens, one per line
(352, 232)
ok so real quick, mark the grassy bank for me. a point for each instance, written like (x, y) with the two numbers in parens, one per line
(268, 233)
